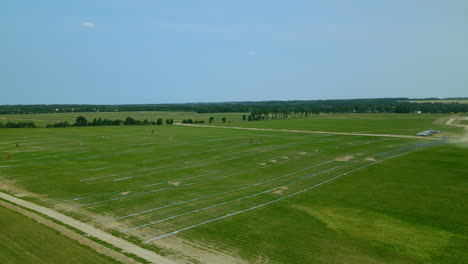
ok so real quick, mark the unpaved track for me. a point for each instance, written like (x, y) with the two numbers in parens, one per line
(451, 120)
(92, 231)
(71, 234)
(311, 131)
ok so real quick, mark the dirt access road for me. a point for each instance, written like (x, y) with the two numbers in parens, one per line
(92, 231)
(312, 132)
(451, 120)
(70, 234)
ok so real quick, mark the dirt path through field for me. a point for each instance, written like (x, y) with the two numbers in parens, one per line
(70, 233)
(452, 119)
(92, 231)
(312, 132)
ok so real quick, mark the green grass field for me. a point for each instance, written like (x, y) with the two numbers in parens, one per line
(261, 196)
(23, 240)
(401, 124)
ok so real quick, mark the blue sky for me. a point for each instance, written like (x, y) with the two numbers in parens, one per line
(156, 51)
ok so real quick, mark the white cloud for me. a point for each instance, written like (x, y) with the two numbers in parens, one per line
(252, 53)
(88, 24)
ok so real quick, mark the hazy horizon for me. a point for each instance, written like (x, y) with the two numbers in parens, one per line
(249, 101)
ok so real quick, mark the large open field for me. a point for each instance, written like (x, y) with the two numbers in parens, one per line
(44, 119)
(218, 195)
(401, 124)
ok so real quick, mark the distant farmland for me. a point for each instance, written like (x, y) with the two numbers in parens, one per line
(441, 101)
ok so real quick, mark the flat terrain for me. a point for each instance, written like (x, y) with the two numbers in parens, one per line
(44, 119)
(401, 124)
(225, 195)
(23, 240)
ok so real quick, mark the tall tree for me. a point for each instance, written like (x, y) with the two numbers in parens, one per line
(81, 121)
(129, 121)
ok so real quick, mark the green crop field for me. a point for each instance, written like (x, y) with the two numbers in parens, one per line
(23, 240)
(260, 196)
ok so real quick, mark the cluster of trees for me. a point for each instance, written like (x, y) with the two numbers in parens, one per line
(59, 124)
(275, 108)
(129, 121)
(211, 119)
(17, 124)
(190, 121)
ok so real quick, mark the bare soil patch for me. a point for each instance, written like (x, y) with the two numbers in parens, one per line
(11, 187)
(344, 158)
(280, 190)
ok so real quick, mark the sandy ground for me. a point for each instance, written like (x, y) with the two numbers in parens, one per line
(92, 231)
(71, 234)
(312, 132)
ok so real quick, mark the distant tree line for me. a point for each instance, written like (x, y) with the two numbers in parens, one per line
(276, 109)
(190, 121)
(17, 124)
(129, 121)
